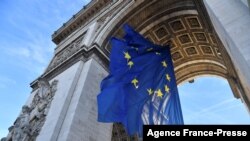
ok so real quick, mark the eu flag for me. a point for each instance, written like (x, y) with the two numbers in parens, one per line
(141, 87)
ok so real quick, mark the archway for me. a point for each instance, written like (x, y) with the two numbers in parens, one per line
(185, 25)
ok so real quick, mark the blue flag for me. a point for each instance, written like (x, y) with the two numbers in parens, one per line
(141, 87)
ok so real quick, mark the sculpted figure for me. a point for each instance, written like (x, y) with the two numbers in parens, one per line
(21, 130)
(43, 94)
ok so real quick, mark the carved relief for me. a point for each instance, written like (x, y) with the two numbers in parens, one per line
(200, 36)
(161, 32)
(206, 50)
(29, 123)
(193, 22)
(213, 39)
(170, 43)
(22, 128)
(191, 51)
(184, 39)
(66, 53)
(176, 56)
(176, 25)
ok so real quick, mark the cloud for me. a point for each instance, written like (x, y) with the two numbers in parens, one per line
(209, 100)
(31, 30)
(216, 106)
(219, 113)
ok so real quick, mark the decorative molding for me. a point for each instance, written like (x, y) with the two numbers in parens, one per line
(82, 17)
(206, 50)
(185, 39)
(67, 52)
(171, 43)
(193, 22)
(200, 37)
(83, 54)
(161, 32)
(177, 25)
(190, 51)
(212, 38)
(177, 56)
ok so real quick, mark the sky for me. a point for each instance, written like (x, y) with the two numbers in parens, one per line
(209, 100)
(26, 48)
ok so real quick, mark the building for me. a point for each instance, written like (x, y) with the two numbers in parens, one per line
(208, 37)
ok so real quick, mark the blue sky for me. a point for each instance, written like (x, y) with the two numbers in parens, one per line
(209, 100)
(26, 48)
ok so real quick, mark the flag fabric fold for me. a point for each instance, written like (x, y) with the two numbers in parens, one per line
(141, 87)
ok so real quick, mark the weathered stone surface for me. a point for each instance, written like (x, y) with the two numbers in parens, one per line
(231, 19)
(82, 111)
(29, 123)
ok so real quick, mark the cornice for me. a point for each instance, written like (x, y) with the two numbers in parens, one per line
(79, 19)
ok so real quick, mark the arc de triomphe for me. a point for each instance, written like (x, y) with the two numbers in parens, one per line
(209, 37)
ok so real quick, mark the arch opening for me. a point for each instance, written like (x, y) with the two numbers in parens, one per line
(209, 100)
(184, 25)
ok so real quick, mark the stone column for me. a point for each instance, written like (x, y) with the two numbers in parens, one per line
(231, 20)
(73, 112)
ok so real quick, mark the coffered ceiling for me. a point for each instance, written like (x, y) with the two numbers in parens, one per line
(186, 27)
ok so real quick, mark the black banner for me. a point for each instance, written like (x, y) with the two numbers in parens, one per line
(161, 132)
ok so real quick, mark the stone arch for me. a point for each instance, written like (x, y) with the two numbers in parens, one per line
(186, 26)
(195, 46)
(81, 57)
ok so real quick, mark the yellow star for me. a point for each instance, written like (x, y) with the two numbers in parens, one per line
(150, 49)
(130, 64)
(159, 93)
(157, 53)
(167, 88)
(150, 91)
(135, 82)
(168, 77)
(164, 64)
(127, 56)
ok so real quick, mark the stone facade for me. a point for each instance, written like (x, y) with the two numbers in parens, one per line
(206, 38)
(30, 122)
